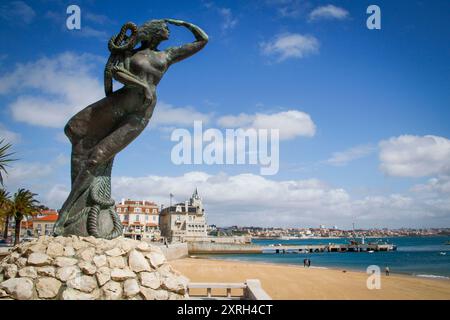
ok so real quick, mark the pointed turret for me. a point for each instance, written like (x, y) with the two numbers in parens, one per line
(196, 201)
(195, 194)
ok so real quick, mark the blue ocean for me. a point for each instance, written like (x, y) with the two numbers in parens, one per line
(418, 256)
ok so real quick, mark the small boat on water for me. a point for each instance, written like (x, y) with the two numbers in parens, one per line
(442, 253)
(370, 251)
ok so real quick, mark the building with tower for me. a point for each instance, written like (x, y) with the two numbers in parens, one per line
(184, 222)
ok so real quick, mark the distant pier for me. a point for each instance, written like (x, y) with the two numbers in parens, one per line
(329, 248)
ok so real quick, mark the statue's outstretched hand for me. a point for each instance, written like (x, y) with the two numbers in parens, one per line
(175, 22)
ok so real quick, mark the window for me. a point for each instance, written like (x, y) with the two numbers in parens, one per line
(136, 218)
(48, 228)
(139, 210)
(119, 210)
(125, 217)
(155, 211)
(178, 209)
(154, 218)
(147, 210)
(146, 217)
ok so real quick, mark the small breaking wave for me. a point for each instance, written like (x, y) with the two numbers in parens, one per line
(433, 276)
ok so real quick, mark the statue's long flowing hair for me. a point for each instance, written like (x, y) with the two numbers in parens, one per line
(122, 44)
(118, 45)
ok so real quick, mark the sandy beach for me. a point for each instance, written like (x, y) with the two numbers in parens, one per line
(296, 282)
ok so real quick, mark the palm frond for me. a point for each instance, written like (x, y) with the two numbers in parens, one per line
(24, 203)
(5, 158)
(5, 203)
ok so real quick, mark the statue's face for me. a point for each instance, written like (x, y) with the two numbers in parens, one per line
(164, 32)
(158, 31)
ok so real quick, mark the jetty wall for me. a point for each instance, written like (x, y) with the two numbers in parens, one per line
(211, 247)
(175, 250)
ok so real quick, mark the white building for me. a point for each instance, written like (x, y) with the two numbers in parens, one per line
(184, 221)
(140, 219)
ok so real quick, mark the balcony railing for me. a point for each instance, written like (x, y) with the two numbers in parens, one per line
(251, 290)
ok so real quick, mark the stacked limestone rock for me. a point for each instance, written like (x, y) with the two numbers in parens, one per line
(87, 268)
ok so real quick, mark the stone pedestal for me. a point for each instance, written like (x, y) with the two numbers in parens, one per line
(88, 268)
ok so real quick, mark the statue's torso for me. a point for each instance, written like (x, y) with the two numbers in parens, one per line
(149, 66)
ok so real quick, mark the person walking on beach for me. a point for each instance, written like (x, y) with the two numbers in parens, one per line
(309, 263)
(386, 270)
(305, 262)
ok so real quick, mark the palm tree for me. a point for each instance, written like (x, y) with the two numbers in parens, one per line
(5, 204)
(23, 204)
(5, 158)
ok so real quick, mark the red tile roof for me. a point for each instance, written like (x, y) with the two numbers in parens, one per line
(49, 218)
(47, 212)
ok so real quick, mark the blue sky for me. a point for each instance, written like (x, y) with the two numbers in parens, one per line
(378, 100)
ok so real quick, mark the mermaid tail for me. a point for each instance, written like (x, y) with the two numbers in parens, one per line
(89, 209)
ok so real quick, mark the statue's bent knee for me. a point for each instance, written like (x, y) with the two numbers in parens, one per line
(70, 131)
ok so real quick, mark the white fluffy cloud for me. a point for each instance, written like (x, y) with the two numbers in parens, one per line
(17, 11)
(97, 18)
(229, 21)
(232, 199)
(434, 195)
(56, 196)
(435, 185)
(51, 89)
(344, 157)
(168, 115)
(39, 177)
(90, 32)
(328, 12)
(415, 156)
(243, 189)
(288, 8)
(290, 45)
(7, 135)
(248, 199)
(24, 172)
(292, 123)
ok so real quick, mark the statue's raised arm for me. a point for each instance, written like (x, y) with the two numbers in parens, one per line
(176, 54)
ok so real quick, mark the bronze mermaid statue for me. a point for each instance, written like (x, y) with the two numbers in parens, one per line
(101, 130)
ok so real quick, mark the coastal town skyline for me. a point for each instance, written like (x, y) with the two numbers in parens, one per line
(360, 112)
(336, 231)
(143, 219)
